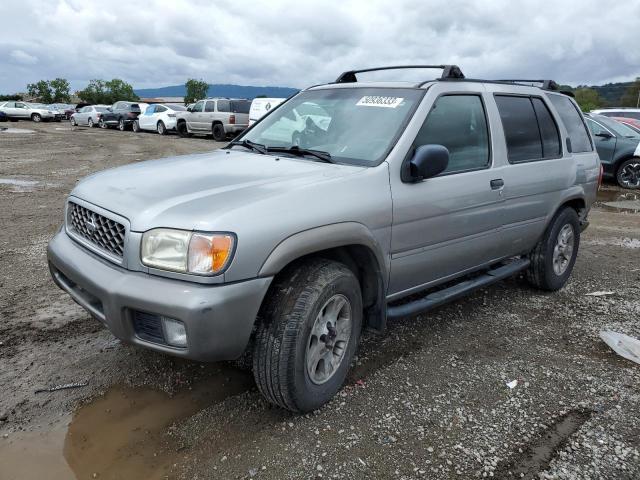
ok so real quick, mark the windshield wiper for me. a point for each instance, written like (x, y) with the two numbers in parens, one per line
(256, 147)
(296, 150)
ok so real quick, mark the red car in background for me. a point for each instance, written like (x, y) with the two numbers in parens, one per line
(632, 123)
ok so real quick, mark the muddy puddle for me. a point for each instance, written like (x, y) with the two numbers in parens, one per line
(619, 201)
(123, 434)
(10, 130)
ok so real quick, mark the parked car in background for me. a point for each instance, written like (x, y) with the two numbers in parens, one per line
(65, 109)
(261, 106)
(618, 148)
(618, 112)
(17, 110)
(89, 115)
(158, 117)
(218, 117)
(411, 197)
(3, 117)
(121, 115)
(629, 122)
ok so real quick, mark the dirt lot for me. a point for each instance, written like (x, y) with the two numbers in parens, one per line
(427, 400)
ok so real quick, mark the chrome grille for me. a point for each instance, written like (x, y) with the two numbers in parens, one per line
(103, 232)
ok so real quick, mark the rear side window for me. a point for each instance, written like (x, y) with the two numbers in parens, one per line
(224, 106)
(459, 123)
(573, 122)
(548, 129)
(520, 127)
(210, 107)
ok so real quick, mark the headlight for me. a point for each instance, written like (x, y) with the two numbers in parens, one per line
(187, 252)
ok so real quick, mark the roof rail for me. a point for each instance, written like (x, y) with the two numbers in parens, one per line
(448, 71)
(546, 84)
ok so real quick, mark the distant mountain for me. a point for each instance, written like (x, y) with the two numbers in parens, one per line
(231, 91)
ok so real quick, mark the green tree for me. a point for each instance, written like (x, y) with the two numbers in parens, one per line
(107, 92)
(631, 96)
(120, 90)
(41, 91)
(15, 96)
(587, 98)
(60, 87)
(196, 90)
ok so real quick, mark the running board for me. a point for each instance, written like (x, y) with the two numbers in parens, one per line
(440, 297)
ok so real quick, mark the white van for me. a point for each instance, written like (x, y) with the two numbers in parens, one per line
(260, 107)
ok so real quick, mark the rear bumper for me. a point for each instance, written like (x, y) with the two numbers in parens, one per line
(218, 318)
(233, 128)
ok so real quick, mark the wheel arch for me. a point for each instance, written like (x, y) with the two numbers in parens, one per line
(349, 243)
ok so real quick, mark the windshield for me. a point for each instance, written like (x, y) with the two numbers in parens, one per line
(618, 128)
(353, 125)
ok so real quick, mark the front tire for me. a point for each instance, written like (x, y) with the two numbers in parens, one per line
(73, 122)
(161, 129)
(36, 117)
(553, 258)
(183, 132)
(219, 134)
(90, 122)
(102, 124)
(309, 332)
(628, 174)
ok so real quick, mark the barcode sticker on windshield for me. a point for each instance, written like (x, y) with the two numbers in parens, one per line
(377, 101)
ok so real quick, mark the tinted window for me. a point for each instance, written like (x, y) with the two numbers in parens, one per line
(520, 128)
(240, 106)
(198, 106)
(617, 128)
(210, 107)
(548, 129)
(160, 109)
(573, 122)
(459, 123)
(635, 115)
(224, 106)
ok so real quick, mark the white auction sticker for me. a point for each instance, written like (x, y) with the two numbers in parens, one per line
(378, 101)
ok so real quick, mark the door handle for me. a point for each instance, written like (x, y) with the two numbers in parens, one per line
(497, 183)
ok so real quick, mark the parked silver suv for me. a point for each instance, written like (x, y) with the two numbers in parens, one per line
(388, 199)
(219, 117)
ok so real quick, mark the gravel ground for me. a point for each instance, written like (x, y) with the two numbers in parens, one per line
(429, 399)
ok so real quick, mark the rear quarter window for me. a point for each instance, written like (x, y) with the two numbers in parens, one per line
(573, 122)
(240, 106)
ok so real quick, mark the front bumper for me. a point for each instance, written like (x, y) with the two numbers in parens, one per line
(218, 318)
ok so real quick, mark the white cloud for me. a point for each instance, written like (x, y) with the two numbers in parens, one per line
(22, 57)
(293, 43)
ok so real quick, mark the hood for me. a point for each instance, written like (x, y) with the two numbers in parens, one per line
(191, 192)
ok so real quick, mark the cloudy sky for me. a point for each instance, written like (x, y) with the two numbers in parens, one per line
(152, 43)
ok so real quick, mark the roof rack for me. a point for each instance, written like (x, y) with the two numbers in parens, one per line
(546, 84)
(448, 71)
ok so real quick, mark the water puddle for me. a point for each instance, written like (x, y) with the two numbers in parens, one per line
(15, 130)
(120, 435)
(619, 201)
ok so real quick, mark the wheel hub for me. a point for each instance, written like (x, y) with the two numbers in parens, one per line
(630, 175)
(563, 249)
(328, 339)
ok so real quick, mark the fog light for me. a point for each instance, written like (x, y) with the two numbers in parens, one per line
(174, 331)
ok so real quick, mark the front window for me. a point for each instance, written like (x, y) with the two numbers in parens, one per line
(354, 125)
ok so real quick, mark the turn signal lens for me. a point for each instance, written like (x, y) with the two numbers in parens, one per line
(209, 253)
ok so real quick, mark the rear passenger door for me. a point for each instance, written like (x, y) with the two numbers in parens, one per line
(146, 120)
(209, 115)
(447, 225)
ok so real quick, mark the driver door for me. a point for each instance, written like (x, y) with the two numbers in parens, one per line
(447, 225)
(21, 110)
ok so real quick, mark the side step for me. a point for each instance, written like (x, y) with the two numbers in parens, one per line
(440, 297)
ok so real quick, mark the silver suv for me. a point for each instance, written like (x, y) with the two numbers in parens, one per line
(347, 205)
(219, 117)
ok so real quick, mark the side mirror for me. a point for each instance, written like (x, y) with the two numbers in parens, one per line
(428, 161)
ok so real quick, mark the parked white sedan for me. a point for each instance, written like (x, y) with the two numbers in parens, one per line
(158, 117)
(89, 115)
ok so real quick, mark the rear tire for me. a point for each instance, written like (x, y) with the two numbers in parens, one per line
(628, 174)
(182, 130)
(101, 123)
(554, 256)
(121, 125)
(219, 134)
(160, 128)
(73, 122)
(308, 334)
